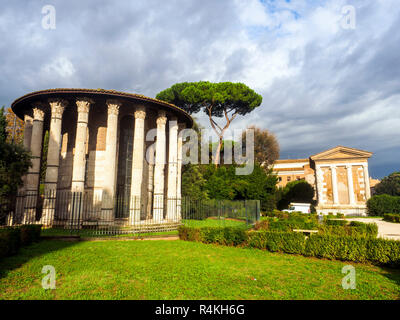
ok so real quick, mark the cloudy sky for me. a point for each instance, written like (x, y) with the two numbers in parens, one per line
(323, 82)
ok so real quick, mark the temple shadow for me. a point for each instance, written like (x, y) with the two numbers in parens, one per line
(27, 253)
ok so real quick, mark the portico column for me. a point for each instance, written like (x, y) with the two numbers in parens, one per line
(350, 184)
(366, 182)
(181, 126)
(158, 204)
(319, 178)
(137, 166)
(78, 170)
(334, 185)
(28, 124)
(32, 179)
(172, 169)
(53, 158)
(110, 160)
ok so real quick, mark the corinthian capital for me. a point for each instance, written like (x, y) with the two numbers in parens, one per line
(57, 107)
(113, 106)
(162, 119)
(83, 104)
(140, 113)
(38, 111)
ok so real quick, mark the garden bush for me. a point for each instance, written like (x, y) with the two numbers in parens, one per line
(392, 217)
(356, 229)
(230, 236)
(343, 247)
(330, 222)
(10, 241)
(378, 205)
(30, 233)
(287, 242)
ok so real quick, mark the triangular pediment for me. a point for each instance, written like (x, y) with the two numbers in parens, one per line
(341, 152)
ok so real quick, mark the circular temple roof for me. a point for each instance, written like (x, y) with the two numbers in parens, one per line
(24, 103)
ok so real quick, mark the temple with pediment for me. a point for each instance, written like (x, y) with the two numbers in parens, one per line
(339, 176)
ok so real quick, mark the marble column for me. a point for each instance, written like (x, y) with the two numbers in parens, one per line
(320, 177)
(32, 179)
(79, 163)
(110, 160)
(150, 181)
(350, 183)
(181, 126)
(57, 107)
(172, 170)
(137, 166)
(334, 185)
(366, 182)
(28, 123)
(158, 198)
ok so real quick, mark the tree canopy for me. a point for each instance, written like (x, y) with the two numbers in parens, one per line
(14, 161)
(266, 146)
(389, 185)
(224, 99)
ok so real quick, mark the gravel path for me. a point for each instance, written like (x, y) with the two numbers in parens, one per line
(386, 230)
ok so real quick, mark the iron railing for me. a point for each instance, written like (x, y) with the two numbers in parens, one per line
(96, 213)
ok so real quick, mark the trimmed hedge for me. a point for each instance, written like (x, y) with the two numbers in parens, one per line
(392, 217)
(330, 222)
(288, 242)
(354, 229)
(378, 205)
(12, 238)
(345, 248)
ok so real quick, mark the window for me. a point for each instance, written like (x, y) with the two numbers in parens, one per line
(289, 178)
(279, 179)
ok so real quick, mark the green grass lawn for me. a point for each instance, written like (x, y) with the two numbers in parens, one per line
(183, 270)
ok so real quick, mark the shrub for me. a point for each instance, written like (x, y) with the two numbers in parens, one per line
(30, 233)
(339, 248)
(354, 229)
(10, 241)
(343, 247)
(339, 215)
(287, 242)
(378, 205)
(392, 217)
(230, 236)
(330, 222)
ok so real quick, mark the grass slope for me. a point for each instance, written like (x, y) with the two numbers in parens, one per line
(183, 270)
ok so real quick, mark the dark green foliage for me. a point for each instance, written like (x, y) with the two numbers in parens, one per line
(296, 191)
(354, 229)
(338, 248)
(193, 183)
(196, 96)
(10, 241)
(378, 205)
(330, 222)
(14, 162)
(12, 238)
(392, 217)
(343, 247)
(29, 234)
(287, 242)
(230, 236)
(389, 185)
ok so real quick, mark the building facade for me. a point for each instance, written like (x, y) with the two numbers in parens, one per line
(107, 145)
(339, 175)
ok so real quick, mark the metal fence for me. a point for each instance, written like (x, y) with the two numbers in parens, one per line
(94, 213)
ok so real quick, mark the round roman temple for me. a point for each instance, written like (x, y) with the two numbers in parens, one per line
(119, 154)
